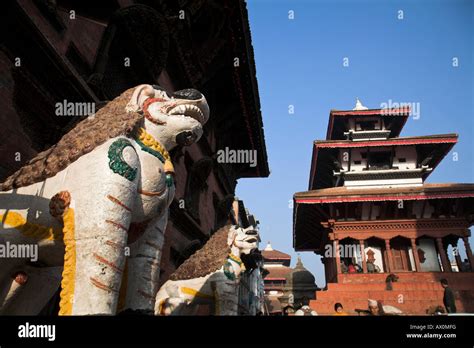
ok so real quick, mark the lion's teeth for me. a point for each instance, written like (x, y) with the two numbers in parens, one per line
(188, 110)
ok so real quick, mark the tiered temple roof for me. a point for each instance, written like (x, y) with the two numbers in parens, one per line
(430, 151)
(275, 256)
(395, 119)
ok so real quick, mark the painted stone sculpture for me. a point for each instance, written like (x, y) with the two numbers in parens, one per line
(210, 276)
(96, 203)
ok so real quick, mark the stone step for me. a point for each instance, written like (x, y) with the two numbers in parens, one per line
(415, 306)
(430, 277)
(380, 295)
(413, 302)
(362, 303)
(400, 285)
(382, 286)
(416, 291)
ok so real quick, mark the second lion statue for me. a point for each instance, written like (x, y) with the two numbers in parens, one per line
(210, 276)
(107, 184)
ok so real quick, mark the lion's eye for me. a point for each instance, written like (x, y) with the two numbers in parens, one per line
(162, 91)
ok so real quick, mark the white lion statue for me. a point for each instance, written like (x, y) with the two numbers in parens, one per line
(210, 276)
(95, 204)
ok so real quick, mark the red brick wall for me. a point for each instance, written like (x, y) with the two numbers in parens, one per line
(414, 292)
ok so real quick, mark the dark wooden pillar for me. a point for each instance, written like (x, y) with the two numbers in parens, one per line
(338, 256)
(457, 256)
(362, 254)
(443, 255)
(416, 257)
(389, 255)
(468, 252)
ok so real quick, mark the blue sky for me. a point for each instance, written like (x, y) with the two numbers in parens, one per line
(300, 62)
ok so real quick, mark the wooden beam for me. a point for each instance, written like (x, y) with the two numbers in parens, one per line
(332, 211)
(392, 154)
(408, 210)
(383, 210)
(362, 255)
(467, 246)
(358, 211)
(436, 212)
(322, 212)
(367, 158)
(423, 209)
(338, 258)
(350, 160)
(458, 208)
(443, 255)
(416, 257)
(389, 255)
(397, 209)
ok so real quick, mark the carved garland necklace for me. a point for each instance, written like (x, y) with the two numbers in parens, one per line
(153, 147)
(229, 270)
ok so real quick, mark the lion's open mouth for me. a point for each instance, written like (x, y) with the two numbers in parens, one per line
(188, 110)
(251, 240)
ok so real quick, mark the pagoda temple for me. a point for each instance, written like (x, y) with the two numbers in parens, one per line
(277, 266)
(285, 288)
(369, 213)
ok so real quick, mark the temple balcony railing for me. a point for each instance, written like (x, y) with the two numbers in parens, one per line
(376, 134)
(375, 173)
